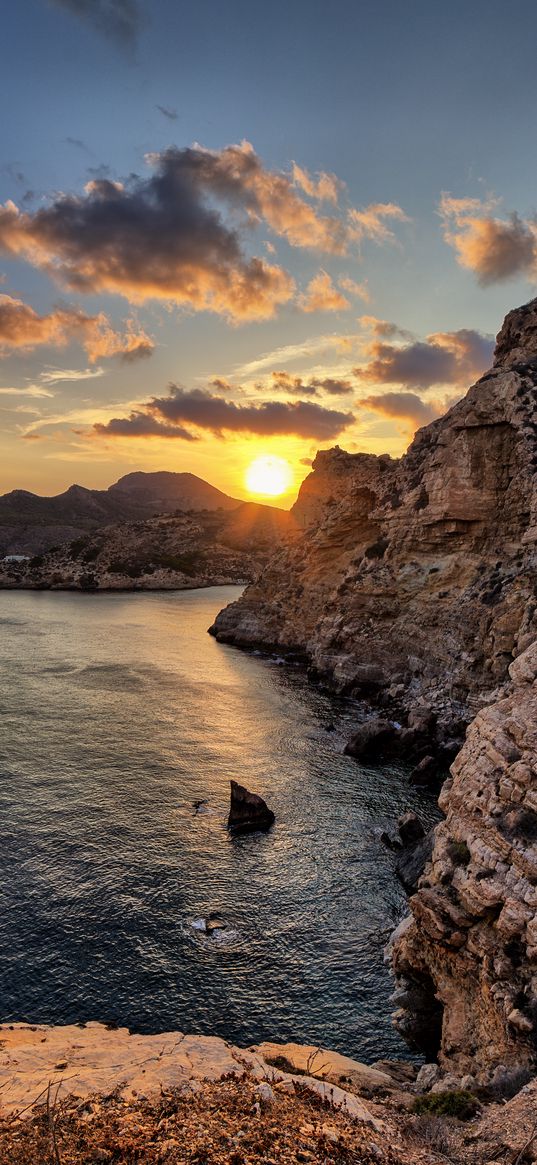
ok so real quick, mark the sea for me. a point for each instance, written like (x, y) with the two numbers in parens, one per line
(122, 723)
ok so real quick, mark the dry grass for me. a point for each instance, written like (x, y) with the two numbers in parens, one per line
(223, 1124)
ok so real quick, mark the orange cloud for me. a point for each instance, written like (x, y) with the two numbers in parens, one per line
(494, 249)
(321, 295)
(373, 222)
(325, 187)
(404, 406)
(442, 358)
(21, 327)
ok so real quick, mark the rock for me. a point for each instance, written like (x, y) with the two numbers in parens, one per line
(213, 924)
(447, 1083)
(248, 812)
(410, 828)
(336, 1069)
(427, 1076)
(265, 1094)
(411, 864)
(473, 936)
(370, 740)
(401, 1071)
(425, 772)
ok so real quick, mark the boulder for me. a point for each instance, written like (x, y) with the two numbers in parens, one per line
(426, 772)
(371, 740)
(248, 812)
(410, 828)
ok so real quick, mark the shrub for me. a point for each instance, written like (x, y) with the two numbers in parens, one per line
(458, 853)
(459, 1103)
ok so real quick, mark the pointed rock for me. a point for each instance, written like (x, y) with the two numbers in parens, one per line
(248, 812)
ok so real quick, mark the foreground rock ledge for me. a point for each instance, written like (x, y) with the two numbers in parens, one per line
(84, 1059)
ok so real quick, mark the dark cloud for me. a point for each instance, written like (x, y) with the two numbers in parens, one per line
(140, 424)
(180, 234)
(306, 461)
(22, 328)
(118, 19)
(443, 358)
(403, 406)
(171, 114)
(204, 410)
(314, 386)
(494, 249)
(161, 237)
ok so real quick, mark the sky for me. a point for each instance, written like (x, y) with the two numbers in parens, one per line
(241, 230)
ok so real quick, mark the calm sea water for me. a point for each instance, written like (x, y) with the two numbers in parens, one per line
(117, 713)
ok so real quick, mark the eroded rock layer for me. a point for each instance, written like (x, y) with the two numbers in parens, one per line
(466, 964)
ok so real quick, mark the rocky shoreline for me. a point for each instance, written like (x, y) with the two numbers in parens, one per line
(413, 588)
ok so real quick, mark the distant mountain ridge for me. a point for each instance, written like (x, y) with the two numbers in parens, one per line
(31, 524)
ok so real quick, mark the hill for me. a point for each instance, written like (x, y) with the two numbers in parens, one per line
(30, 524)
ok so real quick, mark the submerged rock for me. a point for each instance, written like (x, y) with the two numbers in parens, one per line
(248, 811)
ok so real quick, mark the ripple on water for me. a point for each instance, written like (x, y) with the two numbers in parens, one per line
(125, 718)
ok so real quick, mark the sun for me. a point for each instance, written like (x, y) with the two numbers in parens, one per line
(269, 476)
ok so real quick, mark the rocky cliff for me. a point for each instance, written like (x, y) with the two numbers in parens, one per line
(414, 584)
(414, 580)
(465, 962)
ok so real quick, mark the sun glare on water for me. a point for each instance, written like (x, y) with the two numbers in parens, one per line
(269, 476)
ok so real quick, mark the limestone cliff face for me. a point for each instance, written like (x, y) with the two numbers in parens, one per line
(415, 582)
(466, 964)
(416, 578)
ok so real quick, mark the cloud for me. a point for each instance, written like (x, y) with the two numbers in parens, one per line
(312, 387)
(78, 143)
(325, 187)
(171, 114)
(306, 461)
(305, 350)
(443, 358)
(141, 424)
(494, 249)
(373, 222)
(32, 390)
(119, 20)
(321, 295)
(349, 285)
(55, 375)
(384, 328)
(179, 235)
(404, 406)
(22, 328)
(206, 411)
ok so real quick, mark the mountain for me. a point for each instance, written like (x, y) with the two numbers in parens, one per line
(30, 524)
(166, 491)
(413, 585)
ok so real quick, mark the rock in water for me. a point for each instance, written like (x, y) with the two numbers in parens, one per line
(248, 812)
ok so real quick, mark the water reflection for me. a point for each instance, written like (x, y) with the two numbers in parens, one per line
(118, 713)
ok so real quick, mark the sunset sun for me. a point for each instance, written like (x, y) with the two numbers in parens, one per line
(270, 476)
